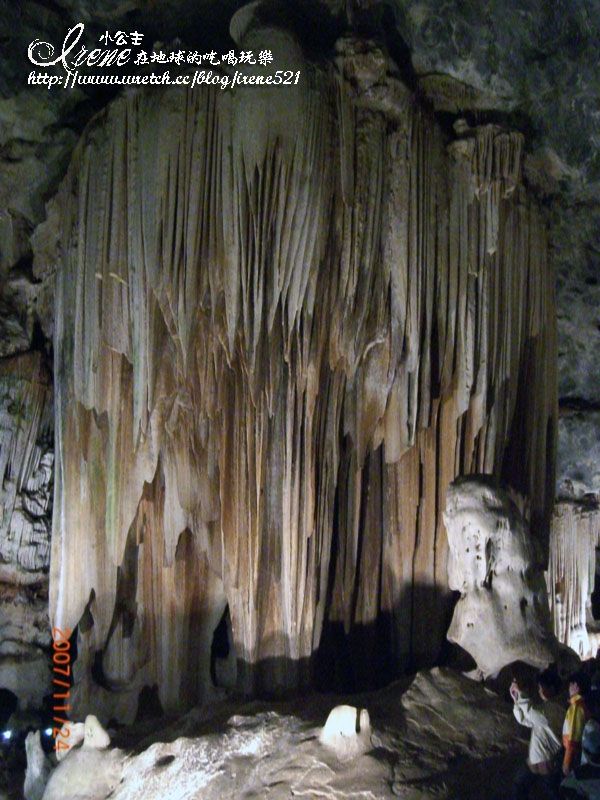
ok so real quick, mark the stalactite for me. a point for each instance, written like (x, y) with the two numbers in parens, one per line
(574, 536)
(285, 322)
(26, 468)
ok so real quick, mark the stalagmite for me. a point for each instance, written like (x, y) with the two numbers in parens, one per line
(286, 319)
(502, 614)
(347, 731)
(38, 767)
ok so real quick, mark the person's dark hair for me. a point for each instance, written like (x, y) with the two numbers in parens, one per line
(592, 702)
(582, 680)
(549, 681)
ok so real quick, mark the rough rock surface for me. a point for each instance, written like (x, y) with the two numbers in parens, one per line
(438, 739)
(577, 265)
(502, 614)
(25, 639)
(38, 767)
(86, 774)
(578, 468)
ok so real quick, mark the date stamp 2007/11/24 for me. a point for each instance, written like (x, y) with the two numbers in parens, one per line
(61, 667)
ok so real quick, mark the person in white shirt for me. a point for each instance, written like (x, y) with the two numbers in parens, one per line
(546, 722)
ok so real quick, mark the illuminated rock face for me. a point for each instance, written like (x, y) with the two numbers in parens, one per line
(502, 614)
(86, 772)
(285, 321)
(38, 767)
(573, 575)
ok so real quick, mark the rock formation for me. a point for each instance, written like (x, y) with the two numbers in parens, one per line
(347, 731)
(85, 774)
(26, 468)
(94, 734)
(574, 537)
(26, 485)
(285, 321)
(38, 767)
(71, 734)
(502, 614)
(437, 739)
(91, 771)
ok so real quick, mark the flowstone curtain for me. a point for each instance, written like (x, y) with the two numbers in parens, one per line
(287, 317)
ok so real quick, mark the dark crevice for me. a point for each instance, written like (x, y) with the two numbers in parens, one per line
(507, 120)
(24, 269)
(98, 671)
(398, 49)
(311, 22)
(149, 705)
(38, 338)
(220, 646)
(8, 704)
(576, 405)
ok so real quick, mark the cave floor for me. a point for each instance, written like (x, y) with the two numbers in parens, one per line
(441, 736)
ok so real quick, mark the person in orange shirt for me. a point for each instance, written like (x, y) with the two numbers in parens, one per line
(575, 719)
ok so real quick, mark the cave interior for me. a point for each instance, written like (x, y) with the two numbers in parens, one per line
(298, 359)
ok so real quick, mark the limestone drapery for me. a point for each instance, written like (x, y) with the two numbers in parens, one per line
(285, 322)
(26, 471)
(574, 538)
(26, 468)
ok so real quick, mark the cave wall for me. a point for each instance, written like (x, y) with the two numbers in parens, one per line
(285, 321)
(26, 490)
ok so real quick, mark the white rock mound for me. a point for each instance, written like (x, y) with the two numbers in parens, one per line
(95, 736)
(347, 731)
(89, 772)
(72, 734)
(38, 767)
